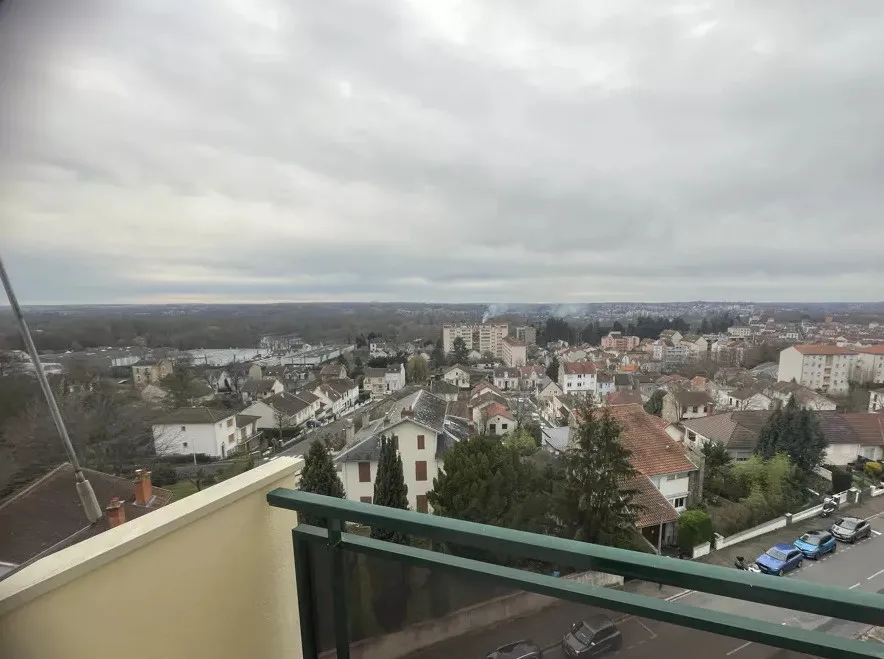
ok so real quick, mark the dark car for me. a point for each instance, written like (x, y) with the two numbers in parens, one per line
(851, 529)
(517, 650)
(592, 637)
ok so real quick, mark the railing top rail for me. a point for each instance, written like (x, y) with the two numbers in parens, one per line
(854, 605)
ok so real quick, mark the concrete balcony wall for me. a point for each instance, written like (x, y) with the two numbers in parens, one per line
(211, 575)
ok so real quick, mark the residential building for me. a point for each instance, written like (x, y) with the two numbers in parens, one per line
(617, 341)
(669, 352)
(750, 398)
(394, 376)
(577, 377)
(513, 351)
(604, 385)
(782, 392)
(876, 400)
(497, 419)
(531, 376)
(671, 335)
(333, 370)
(740, 331)
(423, 435)
(624, 398)
(284, 409)
(444, 390)
(484, 337)
(457, 375)
(849, 435)
(47, 516)
(870, 364)
(150, 372)
(527, 334)
(507, 379)
(191, 430)
(263, 388)
(375, 381)
(337, 395)
(825, 368)
(679, 405)
(696, 344)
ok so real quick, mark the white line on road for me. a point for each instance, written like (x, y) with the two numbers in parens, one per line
(653, 635)
(876, 532)
(856, 585)
(745, 645)
(875, 575)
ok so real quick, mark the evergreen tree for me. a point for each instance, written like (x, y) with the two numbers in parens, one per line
(654, 404)
(319, 476)
(796, 432)
(595, 501)
(438, 354)
(552, 371)
(460, 351)
(389, 488)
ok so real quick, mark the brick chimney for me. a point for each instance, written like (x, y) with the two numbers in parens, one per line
(116, 514)
(408, 412)
(143, 487)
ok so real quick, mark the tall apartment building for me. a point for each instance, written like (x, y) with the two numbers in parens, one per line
(514, 351)
(826, 368)
(870, 364)
(526, 333)
(484, 337)
(616, 341)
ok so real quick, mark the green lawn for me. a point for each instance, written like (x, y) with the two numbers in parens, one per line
(181, 489)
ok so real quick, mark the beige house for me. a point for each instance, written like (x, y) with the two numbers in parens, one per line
(150, 372)
(457, 375)
(514, 351)
(678, 405)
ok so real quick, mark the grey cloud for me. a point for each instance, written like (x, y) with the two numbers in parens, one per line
(356, 150)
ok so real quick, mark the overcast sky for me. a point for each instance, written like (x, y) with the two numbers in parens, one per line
(285, 150)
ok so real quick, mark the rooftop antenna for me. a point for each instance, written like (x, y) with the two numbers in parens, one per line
(84, 487)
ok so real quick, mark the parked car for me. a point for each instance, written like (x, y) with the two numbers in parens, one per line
(816, 543)
(851, 529)
(780, 559)
(592, 637)
(517, 650)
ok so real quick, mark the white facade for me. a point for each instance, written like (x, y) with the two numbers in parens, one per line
(409, 434)
(740, 331)
(484, 337)
(823, 368)
(513, 352)
(870, 365)
(268, 419)
(215, 439)
(395, 378)
(499, 424)
(457, 376)
(675, 487)
(577, 378)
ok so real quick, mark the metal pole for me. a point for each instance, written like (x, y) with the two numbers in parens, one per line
(84, 487)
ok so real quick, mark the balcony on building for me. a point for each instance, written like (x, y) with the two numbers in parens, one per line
(229, 573)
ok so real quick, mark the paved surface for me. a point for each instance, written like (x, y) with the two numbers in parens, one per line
(859, 566)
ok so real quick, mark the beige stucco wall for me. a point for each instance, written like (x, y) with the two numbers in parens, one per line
(211, 575)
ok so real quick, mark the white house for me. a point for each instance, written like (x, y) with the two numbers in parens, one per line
(191, 430)
(807, 398)
(514, 351)
(457, 375)
(825, 368)
(263, 388)
(285, 407)
(496, 419)
(375, 381)
(338, 394)
(506, 379)
(394, 376)
(531, 376)
(422, 433)
(577, 377)
(604, 385)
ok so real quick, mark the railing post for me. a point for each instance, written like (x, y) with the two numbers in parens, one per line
(306, 601)
(339, 591)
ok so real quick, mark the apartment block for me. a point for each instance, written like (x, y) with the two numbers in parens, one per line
(616, 341)
(526, 333)
(514, 351)
(483, 337)
(825, 368)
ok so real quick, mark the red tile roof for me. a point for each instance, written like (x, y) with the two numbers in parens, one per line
(652, 508)
(623, 398)
(654, 452)
(574, 368)
(816, 349)
(872, 350)
(496, 409)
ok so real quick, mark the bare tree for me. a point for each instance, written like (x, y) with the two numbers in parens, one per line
(281, 421)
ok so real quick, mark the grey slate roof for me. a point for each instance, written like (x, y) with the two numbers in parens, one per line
(689, 398)
(371, 372)
(189, 415)
(286, 403)
(242, 420)
(261, 386)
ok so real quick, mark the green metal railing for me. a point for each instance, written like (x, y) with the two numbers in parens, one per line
(852, 605)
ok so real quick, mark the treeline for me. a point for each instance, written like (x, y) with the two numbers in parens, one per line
(645, 327)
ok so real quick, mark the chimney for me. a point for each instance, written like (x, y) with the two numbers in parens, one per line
(408, 412)
(116, 514)
(143, 487)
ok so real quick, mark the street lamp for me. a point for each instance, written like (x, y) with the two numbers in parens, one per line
(84, 487)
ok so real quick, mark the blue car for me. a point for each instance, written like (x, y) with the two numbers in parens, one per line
(780, 559)
(815, 544)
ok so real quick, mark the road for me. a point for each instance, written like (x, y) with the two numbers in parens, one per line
(859, 566)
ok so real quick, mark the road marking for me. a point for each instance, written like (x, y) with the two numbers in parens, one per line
(678, 596)
(856, 585)
(653, 635)
(876, 532)
(875, 575)
(745, 645)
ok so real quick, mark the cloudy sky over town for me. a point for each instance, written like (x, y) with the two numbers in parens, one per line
(280, 150)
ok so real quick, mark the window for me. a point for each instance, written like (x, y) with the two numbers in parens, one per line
(420, 442)
(184, 444)
(395, 442)
(364, 472)
(183, 428)
(229, 422)
(365, 499)
(492, 427)
(503, 426)
(677, 502)
(231, 437)
(420, 470)
(422, 503)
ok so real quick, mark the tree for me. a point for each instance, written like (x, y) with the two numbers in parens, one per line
(552, 371)
(389, 488)
(694, 528)
(438, 354)
(770, 487)
(459, 352)
(280, 419)
(716, 468)
(521, 441)
(796, 432)
(417, 370)
(179, 383)
(654, 404)
(595, 502)
(320, 477)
